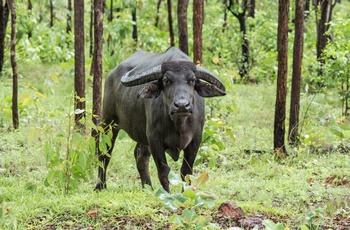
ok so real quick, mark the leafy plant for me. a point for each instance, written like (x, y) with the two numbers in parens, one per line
(188, 200)
(189, 219)
(270, 225)
(337, 66)
(70, 158)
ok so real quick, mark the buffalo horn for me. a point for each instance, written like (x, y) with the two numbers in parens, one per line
(204, 74)
(131, 79)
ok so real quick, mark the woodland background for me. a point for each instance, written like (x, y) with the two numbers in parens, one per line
(273, 177)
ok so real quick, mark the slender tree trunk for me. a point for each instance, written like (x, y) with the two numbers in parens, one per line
(51, 13)
(69, 17)
(244, 65)
(15, 118)
(91, 34)
(251, 8)
(281, 95)
(326, 8)
(4, 15)
(30, 7)
(296, 75)
(110, 16)
(182, 25)
(157, 14)
(97, 67)
(170, 20)
(198, 18)
(79, 78)
(225, 16)
(306, 8)
(134, 26)
(244, 68)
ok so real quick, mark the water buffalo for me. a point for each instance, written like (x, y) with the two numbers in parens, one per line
(157, 99)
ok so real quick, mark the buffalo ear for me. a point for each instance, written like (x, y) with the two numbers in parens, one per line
(208, 90)
(151, 90)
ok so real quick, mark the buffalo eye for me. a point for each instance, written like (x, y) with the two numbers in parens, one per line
(166, 80)
(192, 81)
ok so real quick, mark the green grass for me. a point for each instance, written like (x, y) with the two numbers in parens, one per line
(290, 191)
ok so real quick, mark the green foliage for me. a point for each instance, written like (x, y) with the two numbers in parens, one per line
(190, 197)
(70, 159)
(189, 219)
(337, 61)
(270, 225)
(188, 200)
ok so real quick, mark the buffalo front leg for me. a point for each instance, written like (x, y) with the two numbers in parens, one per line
(163, 169)
(190, 154)
(142, 156)
(104, 159)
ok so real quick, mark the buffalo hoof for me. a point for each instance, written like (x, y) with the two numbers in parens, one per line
(99, 186)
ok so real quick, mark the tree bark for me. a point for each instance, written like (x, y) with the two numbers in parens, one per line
(224, 25)
(134, 26)
(157, 14)
(110, 16)
(326, 8)
(198, 18)
(244, 65)
(4, 15)
(281, 95)
(91, 34)
(15, 118)
(97, 69)
(306, 8)
(51, 13)
(182, 25)
(296, 74)
(30, 7)
(170, 20)
(79, 77)
(251, 8)
(69, 17)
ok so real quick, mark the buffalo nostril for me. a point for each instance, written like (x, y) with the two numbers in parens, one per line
(182, 104)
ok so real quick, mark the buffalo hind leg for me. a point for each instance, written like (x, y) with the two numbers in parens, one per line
(104, 160)
(142, 156)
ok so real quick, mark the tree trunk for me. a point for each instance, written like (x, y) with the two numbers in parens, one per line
(30, 7)
(306, 8)
(51, 13)
(182, 25)
(15, 118)
(198, 17)
(251, 8)
(280, 107)
(4, 15)
(326, 8)
(110, 16)
(244, 64)
(69, 17)
(170, 20)
(225, 16)
(134, 26)
(157, 14)
(91, 34)
(79, 57)
(97, 67)
(296, 75)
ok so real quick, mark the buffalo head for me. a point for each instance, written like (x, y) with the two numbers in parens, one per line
(178, 80)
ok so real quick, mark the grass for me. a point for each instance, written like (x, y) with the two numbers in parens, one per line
(293, 191)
